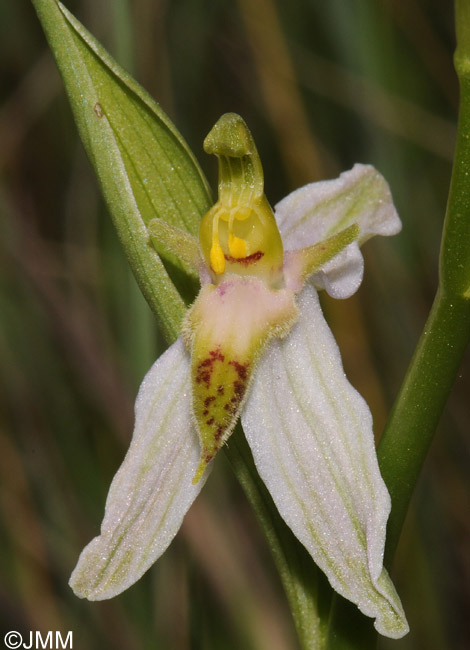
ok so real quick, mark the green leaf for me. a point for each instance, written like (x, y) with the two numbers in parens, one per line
(145, 168)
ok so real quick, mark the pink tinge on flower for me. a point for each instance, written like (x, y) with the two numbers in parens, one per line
(226, 330)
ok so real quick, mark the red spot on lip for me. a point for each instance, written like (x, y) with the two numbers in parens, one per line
(203, 377)
(241, 369)
(209, 400)
(206, 366)
(245, 261)
(239, 388)
(232, 407)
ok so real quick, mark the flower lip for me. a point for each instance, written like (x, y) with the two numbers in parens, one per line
(226, 330)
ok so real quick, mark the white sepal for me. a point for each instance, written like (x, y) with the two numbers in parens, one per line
(341, 277)
(311, 436)
(153, 490)
(317, 211)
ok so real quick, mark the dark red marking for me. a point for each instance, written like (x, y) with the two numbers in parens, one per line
(206, 366)
(245, 261)
(239, 389)
(209, 400)
(220, 430)
(240, 368)
(205, 363)
(205, 412)
(220, 390)
(217, 355)
(210, 421)
(203, 377)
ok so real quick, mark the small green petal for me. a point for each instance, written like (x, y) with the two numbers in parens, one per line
(168, 238)
(302, 263)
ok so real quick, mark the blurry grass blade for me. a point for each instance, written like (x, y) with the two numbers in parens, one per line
(145, 168)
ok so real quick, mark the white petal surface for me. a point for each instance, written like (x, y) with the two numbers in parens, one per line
(152, 490)
(318, 210)
(341, 277)
(311, 437)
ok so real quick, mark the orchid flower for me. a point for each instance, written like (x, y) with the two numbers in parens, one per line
(255, 345)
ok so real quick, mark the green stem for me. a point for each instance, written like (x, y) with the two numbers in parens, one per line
(435, 364)
(419, 405)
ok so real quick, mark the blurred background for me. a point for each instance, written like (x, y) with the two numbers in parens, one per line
(321, 86)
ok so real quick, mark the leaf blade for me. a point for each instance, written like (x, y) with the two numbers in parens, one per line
(115, 117)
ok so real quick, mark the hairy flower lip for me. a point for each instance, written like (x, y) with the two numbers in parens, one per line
(226, 331)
